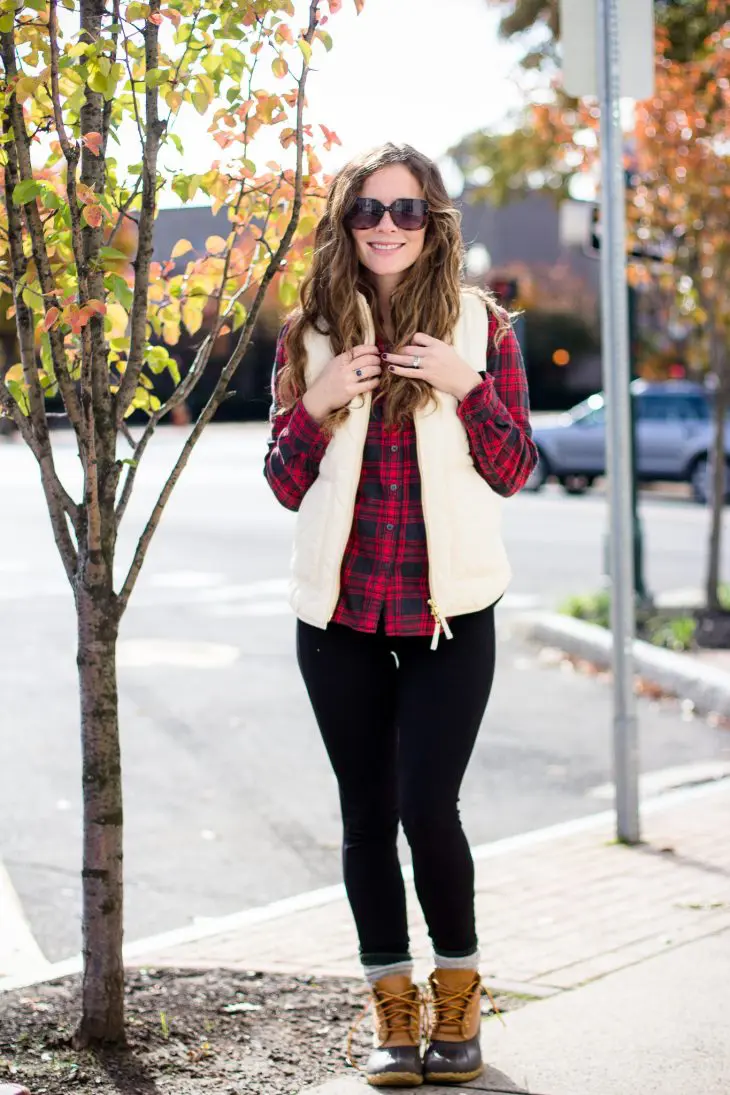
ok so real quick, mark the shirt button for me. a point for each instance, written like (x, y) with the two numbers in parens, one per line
(390, 527)
(394, 486)
(394, 448)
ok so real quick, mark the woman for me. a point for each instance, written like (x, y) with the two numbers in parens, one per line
(394, 443)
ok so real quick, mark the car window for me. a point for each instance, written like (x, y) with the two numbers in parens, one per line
(671, 408)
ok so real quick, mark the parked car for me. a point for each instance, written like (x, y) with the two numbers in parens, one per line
(674, 432)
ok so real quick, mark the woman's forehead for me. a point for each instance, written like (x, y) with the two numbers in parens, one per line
(389, 183)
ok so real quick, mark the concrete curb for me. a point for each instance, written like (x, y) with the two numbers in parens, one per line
(680, 675)
(137, 951)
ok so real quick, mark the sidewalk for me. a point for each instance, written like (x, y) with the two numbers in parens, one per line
(641, 935)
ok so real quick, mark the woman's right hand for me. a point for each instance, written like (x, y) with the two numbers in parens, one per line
(338, 383)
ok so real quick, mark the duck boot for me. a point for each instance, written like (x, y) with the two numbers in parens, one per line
(396, 1059)
(454, 1054)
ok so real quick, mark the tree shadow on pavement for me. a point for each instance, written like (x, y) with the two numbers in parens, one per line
(128, 1073)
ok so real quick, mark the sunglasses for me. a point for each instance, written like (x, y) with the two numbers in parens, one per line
(410, 214)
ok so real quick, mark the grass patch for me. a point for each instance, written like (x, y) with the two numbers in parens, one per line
(665, 629)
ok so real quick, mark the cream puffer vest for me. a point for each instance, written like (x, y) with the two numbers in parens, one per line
(468, 567)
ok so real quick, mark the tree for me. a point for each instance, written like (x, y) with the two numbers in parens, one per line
(688, 24)
(77, 80)
(678, 173)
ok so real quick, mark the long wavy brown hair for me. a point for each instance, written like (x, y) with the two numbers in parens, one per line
(426, 298)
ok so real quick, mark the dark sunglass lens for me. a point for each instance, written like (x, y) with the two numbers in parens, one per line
(365, 213)
(410, 214)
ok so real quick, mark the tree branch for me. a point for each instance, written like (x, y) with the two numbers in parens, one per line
(21, 142)
(138, 315)
(219, 391)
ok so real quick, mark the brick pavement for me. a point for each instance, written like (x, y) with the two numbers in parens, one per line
(553, 912)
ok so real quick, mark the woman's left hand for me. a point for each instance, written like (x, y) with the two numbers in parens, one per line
(438, 364)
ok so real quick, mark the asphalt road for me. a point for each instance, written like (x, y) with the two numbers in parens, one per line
(229, 799)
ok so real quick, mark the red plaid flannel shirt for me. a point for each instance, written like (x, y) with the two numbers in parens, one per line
(385, 566)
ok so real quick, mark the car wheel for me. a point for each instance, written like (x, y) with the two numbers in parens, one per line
(700, 481)
(575, 484)
(539, 475)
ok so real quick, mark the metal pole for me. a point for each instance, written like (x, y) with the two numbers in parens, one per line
(616, 379)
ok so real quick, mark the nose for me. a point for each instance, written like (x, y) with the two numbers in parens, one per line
(386, 224)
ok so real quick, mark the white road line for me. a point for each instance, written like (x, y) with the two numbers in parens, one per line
(18, 949)
(313, 899)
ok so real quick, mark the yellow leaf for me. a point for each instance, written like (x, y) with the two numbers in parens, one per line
(181, 248)
(174, 100)
(279, 67)
(171, 333)
(115, 320)
(192, 314)
(215, 245)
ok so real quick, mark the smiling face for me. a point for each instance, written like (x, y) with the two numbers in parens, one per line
(387, 251)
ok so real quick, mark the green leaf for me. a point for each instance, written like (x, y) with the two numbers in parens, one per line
(112, 253)
(6, 23)
(288, 292)
(119, 288)
(51, 200)
(177, 142)
(20, 395)
(37, 5)
(306, 49)
(141, 399)
(26, 192)
(201, 101)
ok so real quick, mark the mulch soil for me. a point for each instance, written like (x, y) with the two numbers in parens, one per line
(190, 1032)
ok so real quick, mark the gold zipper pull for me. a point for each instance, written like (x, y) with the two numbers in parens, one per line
(441, 623)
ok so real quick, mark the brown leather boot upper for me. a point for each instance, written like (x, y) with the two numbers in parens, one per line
(397, 1006)
(456, 1004)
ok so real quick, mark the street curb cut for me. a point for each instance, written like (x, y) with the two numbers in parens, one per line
(681, 675)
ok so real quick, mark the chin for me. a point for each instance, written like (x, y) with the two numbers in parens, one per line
(387, 266)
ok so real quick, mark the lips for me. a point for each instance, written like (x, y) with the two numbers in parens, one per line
(385, 248)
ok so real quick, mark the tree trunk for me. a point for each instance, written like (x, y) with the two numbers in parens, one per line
(102, 1018)
(718, 465)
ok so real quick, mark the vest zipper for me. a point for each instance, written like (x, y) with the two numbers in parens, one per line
(441, 624)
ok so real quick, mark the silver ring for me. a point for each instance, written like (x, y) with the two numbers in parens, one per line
(416, 362)
(358, 372)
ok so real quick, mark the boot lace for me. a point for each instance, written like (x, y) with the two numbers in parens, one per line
(449, 1009)
(396, 1011)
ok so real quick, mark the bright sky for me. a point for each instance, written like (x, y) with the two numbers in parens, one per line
(422, 71)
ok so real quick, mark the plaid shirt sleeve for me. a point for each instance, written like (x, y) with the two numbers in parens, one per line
(496, 416)
(296, 444)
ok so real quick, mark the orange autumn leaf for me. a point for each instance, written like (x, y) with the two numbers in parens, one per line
(93, 215)
(330, 137)
(92, 141)
(51, 316)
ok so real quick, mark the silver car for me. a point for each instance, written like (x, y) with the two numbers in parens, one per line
(674, 433)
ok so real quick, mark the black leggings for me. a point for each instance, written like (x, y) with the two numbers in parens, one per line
(399, 737)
